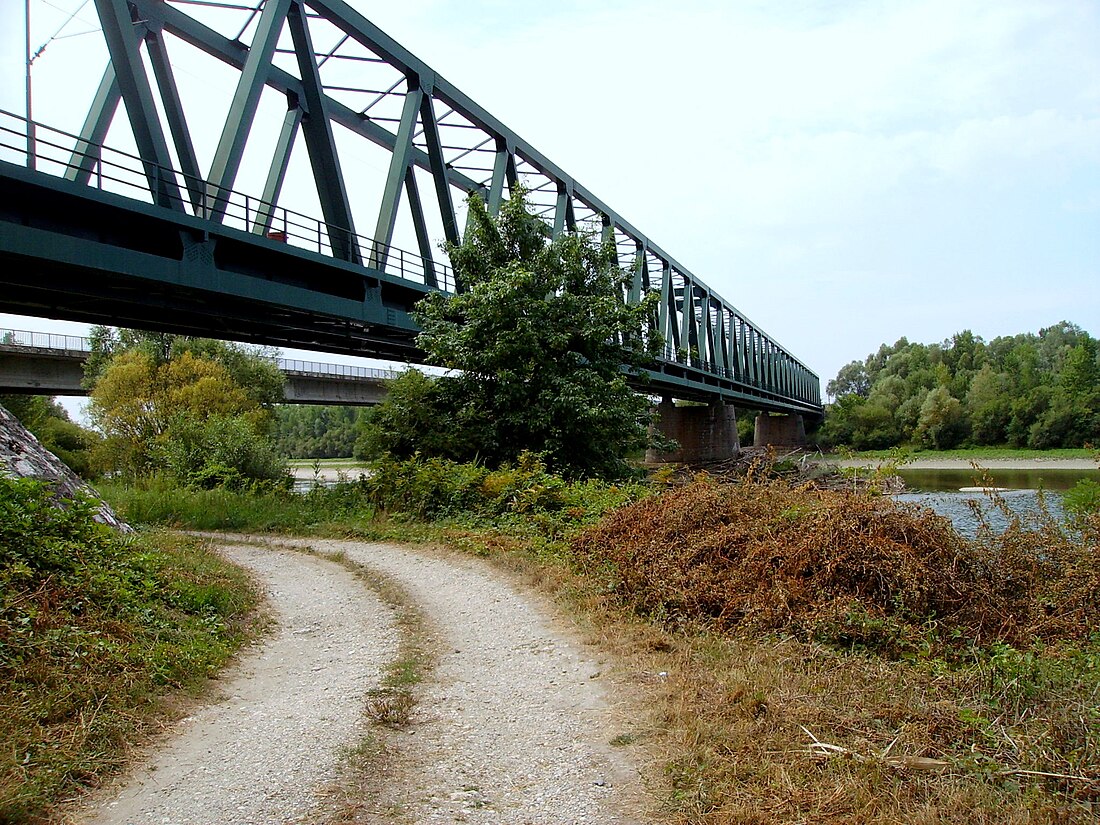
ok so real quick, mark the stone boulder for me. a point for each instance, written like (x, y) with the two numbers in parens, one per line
(22, 456)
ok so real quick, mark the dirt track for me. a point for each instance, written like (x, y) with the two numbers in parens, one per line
(512, 725)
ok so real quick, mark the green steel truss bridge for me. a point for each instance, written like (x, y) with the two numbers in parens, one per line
(150, 237)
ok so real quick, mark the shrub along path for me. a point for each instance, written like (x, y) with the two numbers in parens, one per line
(511, 723)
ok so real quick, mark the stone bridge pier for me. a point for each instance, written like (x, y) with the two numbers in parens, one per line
(779, 430)
(708, 434)
(705, 434)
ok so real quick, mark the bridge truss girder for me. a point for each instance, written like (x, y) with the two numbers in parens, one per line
(306, 50)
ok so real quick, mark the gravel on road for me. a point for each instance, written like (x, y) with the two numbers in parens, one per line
(512, 725)
(263, 752)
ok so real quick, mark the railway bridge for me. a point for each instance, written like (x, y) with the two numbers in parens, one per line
(126, 222)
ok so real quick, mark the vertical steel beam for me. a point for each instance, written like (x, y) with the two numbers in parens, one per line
(420, 226)
(559, 210)
(317, 131)
(395, 178)
(242, 111)
(731, 348)
(639, 272)
(564, 220)
(721, 362)
(276, 172)
(687, 318)
(173, 110)
(751, 352)
(118, 31)
(94, 132)
(666, 309)
(504, 170)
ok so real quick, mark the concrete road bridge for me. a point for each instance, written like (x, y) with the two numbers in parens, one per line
(142, 218)
(43, 363)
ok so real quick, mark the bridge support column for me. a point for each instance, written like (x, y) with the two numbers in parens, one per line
(779, 431)
(705, 434)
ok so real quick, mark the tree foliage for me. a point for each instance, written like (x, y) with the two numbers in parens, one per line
(310, 431)
(538, 343)
(1030, 390)
(164, 408)
(253, 370)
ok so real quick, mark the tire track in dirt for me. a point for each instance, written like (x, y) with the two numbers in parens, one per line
(263, 752)
(512, 726)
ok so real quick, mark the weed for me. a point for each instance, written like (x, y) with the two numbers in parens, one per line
(95, 632)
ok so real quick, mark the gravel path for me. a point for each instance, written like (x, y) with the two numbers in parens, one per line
(511, 727)
(514, 724)
(261, 754)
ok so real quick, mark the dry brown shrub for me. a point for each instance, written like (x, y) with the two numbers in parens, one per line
(766, 554)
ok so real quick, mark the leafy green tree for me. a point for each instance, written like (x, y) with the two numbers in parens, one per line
(942, 423)
(540, 342)
(989, 406)
(185, 416)
(418, 415)
(1027, 390)
(312, 431)
(253, 370)
(851, 380)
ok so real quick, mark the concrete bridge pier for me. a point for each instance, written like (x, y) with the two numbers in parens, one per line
(705, 434)
(779, 430)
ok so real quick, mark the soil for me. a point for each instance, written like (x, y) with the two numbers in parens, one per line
(512, 725)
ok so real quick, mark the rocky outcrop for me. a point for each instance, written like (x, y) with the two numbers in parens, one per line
(22, 456)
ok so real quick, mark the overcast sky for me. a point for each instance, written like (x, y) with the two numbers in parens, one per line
(845, 173)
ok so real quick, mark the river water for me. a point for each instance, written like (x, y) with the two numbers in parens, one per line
(1027, 493)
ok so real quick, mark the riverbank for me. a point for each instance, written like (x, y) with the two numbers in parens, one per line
(1037, 463)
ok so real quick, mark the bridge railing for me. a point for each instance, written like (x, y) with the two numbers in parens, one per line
(63, 154)
(44, 340)
(348, 371)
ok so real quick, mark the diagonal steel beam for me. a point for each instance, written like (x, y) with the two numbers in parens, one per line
(227, 157)
(395, 178)
(133, 83)
(173, 110)
(276, 172)
(94, 132)
(317, 131)
(423, 240)
(438, 167)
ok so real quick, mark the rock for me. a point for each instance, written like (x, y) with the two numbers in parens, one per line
(22, 456)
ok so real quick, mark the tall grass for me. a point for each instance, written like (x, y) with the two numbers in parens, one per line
(95, 632)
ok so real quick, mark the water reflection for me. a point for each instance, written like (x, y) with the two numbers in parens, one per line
(963, 508)
(1034, 479)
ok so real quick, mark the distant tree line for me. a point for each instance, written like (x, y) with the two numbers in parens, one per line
(1029, 390)
(305, 431)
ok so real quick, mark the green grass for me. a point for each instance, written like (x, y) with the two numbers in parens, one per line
(97, 635)
(969, 454)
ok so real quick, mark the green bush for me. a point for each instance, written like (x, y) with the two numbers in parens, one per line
(222, 451)
(433, 488)
(1082, 500)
